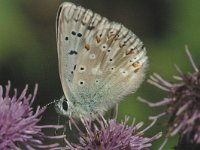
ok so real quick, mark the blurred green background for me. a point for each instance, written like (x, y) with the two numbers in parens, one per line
(28, 52)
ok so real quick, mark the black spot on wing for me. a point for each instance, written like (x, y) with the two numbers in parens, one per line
(74, 67)
(73, 52)
(79, 34)
(83, 23)
(90, 27)
(73, 33)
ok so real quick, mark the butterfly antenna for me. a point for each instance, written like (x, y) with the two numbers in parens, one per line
(53, 102)
(58, 122)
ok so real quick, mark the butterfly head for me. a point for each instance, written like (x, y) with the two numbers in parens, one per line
(66, 108)
(63, 107)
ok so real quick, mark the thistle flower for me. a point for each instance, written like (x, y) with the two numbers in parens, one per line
(111, 135)
(18, 122)
(182, 104)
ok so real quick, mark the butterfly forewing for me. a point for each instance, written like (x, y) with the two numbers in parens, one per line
(75, 29)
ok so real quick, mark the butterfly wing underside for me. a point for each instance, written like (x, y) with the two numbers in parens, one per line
(99, 61)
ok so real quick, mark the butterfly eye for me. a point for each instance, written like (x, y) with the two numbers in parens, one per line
(65, 105)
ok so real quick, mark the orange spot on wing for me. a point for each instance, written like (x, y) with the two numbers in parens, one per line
(129, 52)
(136, 65)
(87, 46)
(110, 35)
(121, 45)
(98, 39)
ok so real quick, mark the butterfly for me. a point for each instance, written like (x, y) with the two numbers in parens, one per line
(100, 61)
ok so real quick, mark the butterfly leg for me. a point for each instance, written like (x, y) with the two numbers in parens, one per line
(114, 112)
(58, 123)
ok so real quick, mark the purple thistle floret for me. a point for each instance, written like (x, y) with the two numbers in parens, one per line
(111, 135)
(183, 103)
(18, 122)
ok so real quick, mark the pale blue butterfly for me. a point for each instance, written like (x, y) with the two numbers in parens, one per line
(100, 62)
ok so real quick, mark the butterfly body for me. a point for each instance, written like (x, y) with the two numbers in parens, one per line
(100, 62)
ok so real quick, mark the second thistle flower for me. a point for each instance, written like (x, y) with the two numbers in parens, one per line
(183, 103)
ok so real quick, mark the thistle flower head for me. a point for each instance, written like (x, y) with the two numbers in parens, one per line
(18, 122)
(109, 134)
(182, 104)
